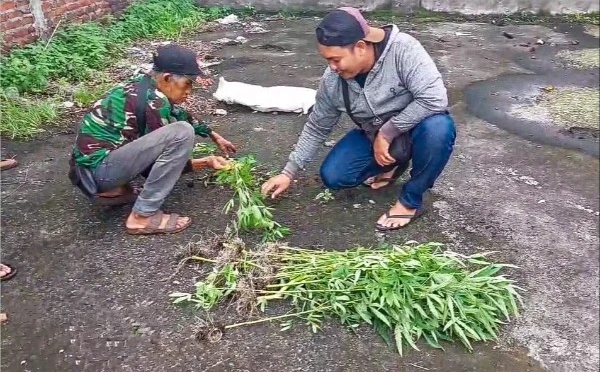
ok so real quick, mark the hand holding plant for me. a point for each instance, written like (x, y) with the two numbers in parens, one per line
(212, 161)
(226, 147)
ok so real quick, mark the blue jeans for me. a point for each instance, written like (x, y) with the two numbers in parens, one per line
(351, 161)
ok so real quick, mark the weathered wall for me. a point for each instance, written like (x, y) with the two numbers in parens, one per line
(404, 6)
(23, 21)
(511, 6)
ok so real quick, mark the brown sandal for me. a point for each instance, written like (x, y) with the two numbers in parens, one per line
(153, 226)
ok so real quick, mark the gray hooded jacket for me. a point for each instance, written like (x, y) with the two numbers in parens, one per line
(404, 80)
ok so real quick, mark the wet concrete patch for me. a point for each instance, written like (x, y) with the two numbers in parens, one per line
(511, 102)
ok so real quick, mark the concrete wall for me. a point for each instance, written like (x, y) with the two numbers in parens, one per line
(407, 6)
(24, 21)
(511, 6)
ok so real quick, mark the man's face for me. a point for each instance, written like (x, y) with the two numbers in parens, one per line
(176, 88)
(345, 61)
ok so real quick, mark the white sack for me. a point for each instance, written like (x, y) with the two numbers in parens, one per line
(266, 99)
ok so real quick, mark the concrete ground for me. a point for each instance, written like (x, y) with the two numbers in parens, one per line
(90, 298)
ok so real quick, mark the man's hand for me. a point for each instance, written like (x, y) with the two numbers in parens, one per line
(214, 162)
(224, 145)
(381, 149)
(276, 185)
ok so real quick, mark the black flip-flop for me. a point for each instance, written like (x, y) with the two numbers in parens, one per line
(12, 273)
(409, 217)
(390, 180)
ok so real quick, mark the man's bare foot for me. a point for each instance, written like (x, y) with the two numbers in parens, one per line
(156, 224)
(7, 272)
(381, 180)
(4, 270)
(118, 191)
(8, 164)
(389, 221)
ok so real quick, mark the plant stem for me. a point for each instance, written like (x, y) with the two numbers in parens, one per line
(273, 318)
(199, 258)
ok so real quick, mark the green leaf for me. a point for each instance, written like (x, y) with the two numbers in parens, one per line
(381, 317)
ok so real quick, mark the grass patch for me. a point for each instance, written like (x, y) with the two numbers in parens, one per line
(23, 117)
(573, 107)
(74, 55)
(583, 59)
(75, 51)
(405, 293)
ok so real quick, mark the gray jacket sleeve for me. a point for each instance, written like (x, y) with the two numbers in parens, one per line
(421, 77)
(319, 126)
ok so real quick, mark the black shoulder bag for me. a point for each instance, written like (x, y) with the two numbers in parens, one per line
(83, 177)
(401, 146)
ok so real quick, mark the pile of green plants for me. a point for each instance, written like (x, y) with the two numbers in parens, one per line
(405, 293)
(74, 51)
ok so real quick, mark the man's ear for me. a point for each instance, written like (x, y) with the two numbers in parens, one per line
(167, 77)
(360, 47)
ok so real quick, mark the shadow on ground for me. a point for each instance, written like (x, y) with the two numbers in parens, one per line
(90, 298)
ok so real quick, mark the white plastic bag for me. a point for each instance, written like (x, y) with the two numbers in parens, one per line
(266, 99)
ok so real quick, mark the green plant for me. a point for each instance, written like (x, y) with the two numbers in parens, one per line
(325, 196)
(252, 213)
(203, 149)
(74, 51)
(85, 96)
(405, 293)
(22, 118)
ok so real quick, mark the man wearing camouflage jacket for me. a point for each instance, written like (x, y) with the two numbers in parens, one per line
(115, 145)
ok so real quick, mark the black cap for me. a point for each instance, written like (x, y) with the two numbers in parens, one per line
(176, 59)
(345, 26)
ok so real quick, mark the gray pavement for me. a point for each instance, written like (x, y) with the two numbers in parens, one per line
(90, 298)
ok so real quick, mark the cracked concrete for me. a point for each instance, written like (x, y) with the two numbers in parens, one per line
(90, 298)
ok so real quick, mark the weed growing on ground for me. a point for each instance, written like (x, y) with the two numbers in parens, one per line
(76, 50)
(404, 292)
(325, 196)
(203, 149)
(23, 117)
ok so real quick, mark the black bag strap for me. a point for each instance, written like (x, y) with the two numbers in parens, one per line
(346, 96)
(140, 106)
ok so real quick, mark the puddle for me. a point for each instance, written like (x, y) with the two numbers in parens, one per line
(554, 109)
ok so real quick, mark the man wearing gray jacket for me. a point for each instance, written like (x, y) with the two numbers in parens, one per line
(390, 87)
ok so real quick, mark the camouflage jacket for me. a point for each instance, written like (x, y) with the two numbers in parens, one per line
(111, 122)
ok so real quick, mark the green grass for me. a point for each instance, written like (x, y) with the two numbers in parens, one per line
(405, 293)
(76, 51)
(23, 118)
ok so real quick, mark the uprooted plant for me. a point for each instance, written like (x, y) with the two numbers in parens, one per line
(252, 213)
(241, 177)
(404, 292)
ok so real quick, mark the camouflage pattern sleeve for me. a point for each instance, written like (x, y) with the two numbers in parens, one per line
(158, 110)
(200, 128)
